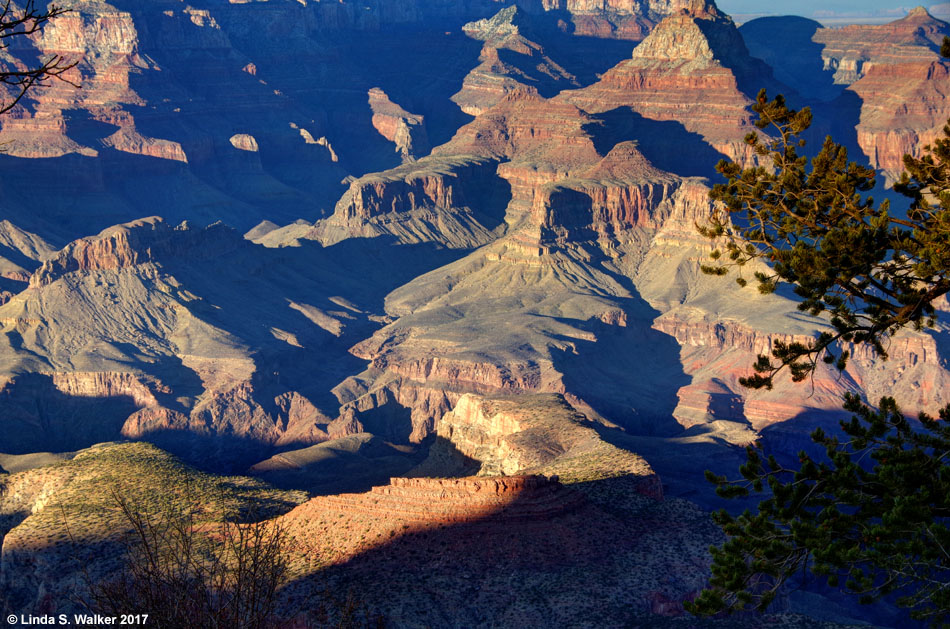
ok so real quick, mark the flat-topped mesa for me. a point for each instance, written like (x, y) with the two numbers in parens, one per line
(523, 126)
(105, 45)
(139, 242)
(851, 51)
(892, 72)
(471, 486)
(432, 501)
(434, 199)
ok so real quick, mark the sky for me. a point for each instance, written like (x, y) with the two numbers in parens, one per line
(809, 7)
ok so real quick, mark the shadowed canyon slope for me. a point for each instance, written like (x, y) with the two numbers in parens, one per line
(452, 244)
(891, 75)
(165, 89)
(547, 246)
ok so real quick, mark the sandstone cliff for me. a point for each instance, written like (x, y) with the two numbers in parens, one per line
(887, 80)
(510, 60)
(538, 434)
(692, 70)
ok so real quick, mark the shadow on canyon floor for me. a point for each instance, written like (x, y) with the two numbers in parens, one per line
(37, 417)
(631, 373)
(353, 465)
(769, 39)
(665, 143)
(495, 571)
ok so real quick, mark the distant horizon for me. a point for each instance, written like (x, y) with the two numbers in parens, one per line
(835, 10)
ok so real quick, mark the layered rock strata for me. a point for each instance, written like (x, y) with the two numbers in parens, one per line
(530, 529)
(541, 434)
(126, 322)
(896, 72)
(691, 71)
(405, 130)
(852, 51)
(440, 501)
(892, 77)
(510, 60)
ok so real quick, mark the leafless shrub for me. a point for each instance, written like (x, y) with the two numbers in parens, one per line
(187, 574)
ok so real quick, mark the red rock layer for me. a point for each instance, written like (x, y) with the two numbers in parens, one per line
(141, 241)
(853, 50)
(427, 501)
(543, 141)
(904, 107)
(526, 127)
(895, 70)
(405, 130)
(510, 60)
(622, 192)
(686, 71)
(717, 353)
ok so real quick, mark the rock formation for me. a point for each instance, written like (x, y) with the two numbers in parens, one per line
(521, 301)
(894, 71)
(441, 501)
(852, 51)
(905, 107)
(540, 434)
(510, 61)
(165, 88)
(531, 530)
(405, 130)
(692, 70)
(547, 308)
(537, 251)
(20, 253)
(128, 321)
(449, 201)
